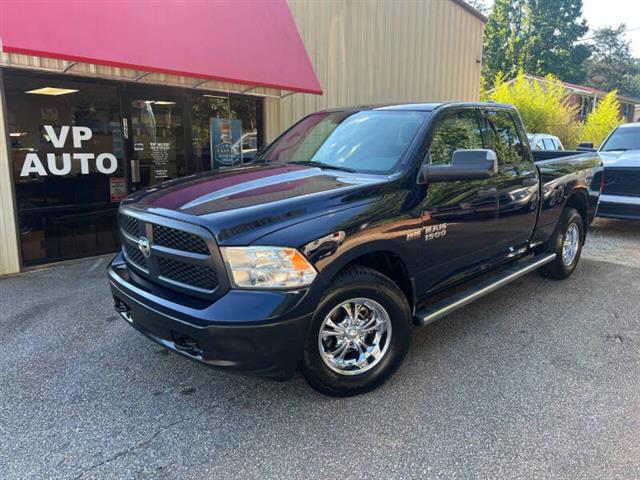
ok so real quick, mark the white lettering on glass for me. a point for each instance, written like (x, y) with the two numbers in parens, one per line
(113, 163)
(105, 163)
(31, 165)
(57, 141)
(84, 161)
(80, 134)
(53, 167)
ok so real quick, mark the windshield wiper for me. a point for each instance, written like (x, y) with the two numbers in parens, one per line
(328, 166)
(616, 150)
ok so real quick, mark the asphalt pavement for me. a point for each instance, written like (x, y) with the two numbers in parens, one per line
(540, 380)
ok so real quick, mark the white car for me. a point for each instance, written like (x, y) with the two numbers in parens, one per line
(620, 153)
(544, 141)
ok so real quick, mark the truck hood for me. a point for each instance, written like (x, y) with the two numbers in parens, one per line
(239, 206)
(629, 158)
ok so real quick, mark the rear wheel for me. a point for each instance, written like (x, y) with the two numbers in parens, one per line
(359, 336)
(567, 244)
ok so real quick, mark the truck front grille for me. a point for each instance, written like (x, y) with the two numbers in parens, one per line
(196, 275)
(129, 225)
(622, 181)
(178, 239)
(181, 257)
(134, 255)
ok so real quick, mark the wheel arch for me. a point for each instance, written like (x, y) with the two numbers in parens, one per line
(386, 262)
(579, 201)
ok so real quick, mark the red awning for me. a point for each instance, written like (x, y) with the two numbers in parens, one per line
(254, 43)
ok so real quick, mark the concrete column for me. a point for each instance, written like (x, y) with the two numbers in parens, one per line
(9, 252)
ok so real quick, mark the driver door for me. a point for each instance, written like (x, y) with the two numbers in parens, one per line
(459, 216)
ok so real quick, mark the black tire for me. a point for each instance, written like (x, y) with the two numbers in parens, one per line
(359, 282)
(558, 269)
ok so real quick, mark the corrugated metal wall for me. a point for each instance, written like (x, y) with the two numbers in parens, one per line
(9, 262)
(378, 51)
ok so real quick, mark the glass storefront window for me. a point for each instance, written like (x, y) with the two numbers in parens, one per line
(225, 130)
(72, 163)
(67, 152)
(157, 132)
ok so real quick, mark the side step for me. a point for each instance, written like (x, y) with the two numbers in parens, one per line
(465, 297)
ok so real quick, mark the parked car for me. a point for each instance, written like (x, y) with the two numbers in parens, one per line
(348, 229)
(621, 155)
(544, 141)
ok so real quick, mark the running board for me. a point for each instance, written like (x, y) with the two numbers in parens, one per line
(465, 297)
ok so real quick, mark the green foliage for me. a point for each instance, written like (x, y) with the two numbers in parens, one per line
(612, 65)
(604, 118)
(543, 106)
(537, 36)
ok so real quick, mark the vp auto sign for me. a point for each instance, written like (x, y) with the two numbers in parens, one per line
(106, 163)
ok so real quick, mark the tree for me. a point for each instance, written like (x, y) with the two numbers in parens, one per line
(504, 37)
(543, 106)
(611, 66)
(537, 36)
(557, 25)
(480, 5)
(604, 118)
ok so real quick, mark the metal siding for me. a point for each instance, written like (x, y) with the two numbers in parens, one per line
(9, 257)
(383, 51)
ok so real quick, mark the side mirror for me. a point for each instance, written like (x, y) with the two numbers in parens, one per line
(465, 165)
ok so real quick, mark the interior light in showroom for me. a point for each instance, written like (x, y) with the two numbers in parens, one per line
(51, 91)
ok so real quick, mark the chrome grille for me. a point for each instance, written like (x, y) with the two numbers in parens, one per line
(198, 276)
(180, 257)
(622, 181)
(179, 240)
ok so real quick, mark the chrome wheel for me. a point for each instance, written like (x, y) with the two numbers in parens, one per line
(355, 336)
(570, 244)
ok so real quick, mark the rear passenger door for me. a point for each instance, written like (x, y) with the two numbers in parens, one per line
(517, 182)
(458, 216)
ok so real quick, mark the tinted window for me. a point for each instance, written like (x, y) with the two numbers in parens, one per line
(366, 141)
(458, 131)
(67, 154)
(625, 138)
(504, 138)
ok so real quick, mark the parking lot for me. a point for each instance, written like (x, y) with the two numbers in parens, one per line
(538, 380)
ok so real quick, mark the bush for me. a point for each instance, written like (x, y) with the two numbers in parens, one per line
(604, 118)
(543, 106)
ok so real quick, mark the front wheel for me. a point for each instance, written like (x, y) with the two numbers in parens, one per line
(567, 244)
(359, 336)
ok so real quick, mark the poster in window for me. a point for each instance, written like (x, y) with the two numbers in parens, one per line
(226, 150)
(117, 188)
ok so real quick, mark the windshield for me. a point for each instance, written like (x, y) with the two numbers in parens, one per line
(625, 138)
(371, 141)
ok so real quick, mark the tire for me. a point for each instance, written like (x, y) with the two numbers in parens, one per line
(384, 312)
(571, 224)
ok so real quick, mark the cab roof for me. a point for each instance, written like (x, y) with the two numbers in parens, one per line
(416, 107)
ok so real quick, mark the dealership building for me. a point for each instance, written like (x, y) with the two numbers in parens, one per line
(101, 98)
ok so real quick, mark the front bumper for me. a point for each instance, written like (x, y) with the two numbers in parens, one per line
(618, 206)
(255, 332)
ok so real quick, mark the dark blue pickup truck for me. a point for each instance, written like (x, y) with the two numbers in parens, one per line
(349, 229)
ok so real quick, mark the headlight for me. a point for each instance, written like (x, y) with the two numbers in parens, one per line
(267, 267)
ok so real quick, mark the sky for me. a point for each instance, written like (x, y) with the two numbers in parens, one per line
(603, 13)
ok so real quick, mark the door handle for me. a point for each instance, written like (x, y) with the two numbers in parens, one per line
(529, 182)
(487, 192)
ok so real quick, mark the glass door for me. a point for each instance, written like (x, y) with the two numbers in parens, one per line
(156, 129)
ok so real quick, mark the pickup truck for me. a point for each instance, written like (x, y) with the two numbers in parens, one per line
(350, 228)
